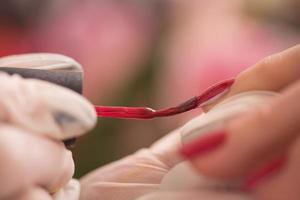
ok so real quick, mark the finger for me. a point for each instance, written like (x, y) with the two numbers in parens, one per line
(144, 166)
(283, 183)
(118, 190)
(247, 142)
(195, 195)
(36, 193)
(44, 108)
(272, 73)
(31, 159)
(165, 149)
(134, 175)
(141, 167)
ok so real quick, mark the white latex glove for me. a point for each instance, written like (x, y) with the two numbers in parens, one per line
(35, 116)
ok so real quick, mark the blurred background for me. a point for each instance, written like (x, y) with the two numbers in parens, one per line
(147, 53)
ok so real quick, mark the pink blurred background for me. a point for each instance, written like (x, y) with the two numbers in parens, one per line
(153, 53)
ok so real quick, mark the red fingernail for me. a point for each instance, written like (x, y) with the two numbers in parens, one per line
(213, 93)
(204, 144)
(268, 170)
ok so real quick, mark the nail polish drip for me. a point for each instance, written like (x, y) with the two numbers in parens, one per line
(149, 113)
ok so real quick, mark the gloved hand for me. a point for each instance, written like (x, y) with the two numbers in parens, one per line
(139, 175)
(36, 116)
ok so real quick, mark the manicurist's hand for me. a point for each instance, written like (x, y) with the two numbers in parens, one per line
(35, 118)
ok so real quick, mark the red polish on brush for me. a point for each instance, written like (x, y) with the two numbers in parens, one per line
(149, 113)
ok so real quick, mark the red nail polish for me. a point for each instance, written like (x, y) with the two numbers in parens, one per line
(268, 170)
(204, 144)
(148, 113)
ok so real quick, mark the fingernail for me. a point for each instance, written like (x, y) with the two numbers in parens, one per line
(204, 144)
(216, 91)
(268, 170)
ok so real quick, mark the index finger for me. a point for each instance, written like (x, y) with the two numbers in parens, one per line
(273, 73)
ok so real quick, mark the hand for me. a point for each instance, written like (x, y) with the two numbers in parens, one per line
(36, 116)
(141, 173)
(261, 148)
